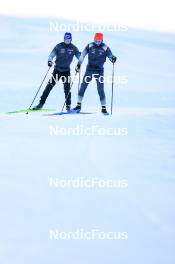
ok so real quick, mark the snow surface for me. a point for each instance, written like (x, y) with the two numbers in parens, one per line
(30, 155)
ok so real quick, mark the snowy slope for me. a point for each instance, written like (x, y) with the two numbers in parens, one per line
(144, 158)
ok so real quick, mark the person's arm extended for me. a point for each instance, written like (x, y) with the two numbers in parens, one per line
(83, 55)
(52, 55)
(81, 58)
(111, 57)
(77, 53)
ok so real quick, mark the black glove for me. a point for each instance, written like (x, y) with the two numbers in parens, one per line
(114, 59)
(77, 69)
(50, 63)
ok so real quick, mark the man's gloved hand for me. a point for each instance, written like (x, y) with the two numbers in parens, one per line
(77, 69)
(50, 63)
(114, 59)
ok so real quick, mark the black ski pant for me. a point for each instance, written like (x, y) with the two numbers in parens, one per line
(56, 75)
(99, 77)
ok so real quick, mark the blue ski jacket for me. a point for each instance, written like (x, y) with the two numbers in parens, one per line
(64, 55)
(96, 56)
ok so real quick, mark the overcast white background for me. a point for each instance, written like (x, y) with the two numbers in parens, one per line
(151, 14)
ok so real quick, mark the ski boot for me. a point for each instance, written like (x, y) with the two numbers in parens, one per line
(38, 107)
(68, 108)
(77, 109)
(104, 111)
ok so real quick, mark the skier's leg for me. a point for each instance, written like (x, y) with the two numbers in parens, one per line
(55, 77)
(100, 87)
(86, 80)
(101, 92)
(66, 79)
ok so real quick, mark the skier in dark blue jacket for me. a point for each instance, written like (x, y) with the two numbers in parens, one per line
(64, 53)
(97, 53)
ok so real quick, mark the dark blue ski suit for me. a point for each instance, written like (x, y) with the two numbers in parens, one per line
(97, 55)
(64, 55)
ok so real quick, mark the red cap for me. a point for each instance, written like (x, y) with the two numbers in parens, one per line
(98, 36)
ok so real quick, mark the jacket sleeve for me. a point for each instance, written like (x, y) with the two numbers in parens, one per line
(77, 53)
(109, 54)
(83, 55)
(52, 54)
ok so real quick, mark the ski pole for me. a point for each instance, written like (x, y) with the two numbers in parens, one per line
(69, 91)
(79, 80)
(38, 91)
(112, 95)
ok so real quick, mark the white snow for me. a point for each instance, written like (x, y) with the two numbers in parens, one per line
(30, 155)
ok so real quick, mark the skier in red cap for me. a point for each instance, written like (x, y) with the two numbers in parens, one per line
(98, 37)
(97, 53)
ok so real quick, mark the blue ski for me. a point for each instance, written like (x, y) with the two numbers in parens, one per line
(70, 113)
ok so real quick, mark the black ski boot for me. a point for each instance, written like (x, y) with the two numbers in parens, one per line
(38, 106)
(77, 109)
(68, 108)
(104, 111)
